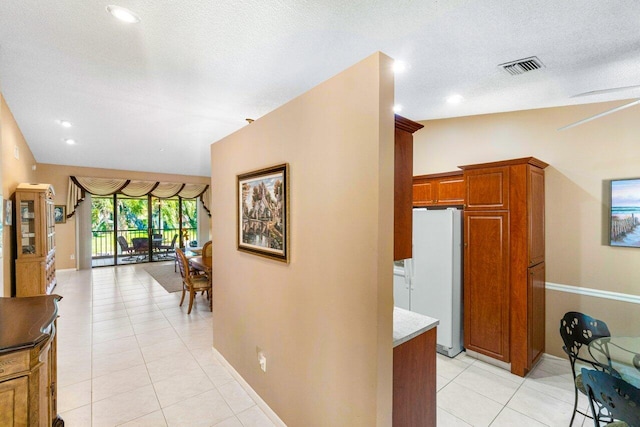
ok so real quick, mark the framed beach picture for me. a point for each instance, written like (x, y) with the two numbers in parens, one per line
(60, 214)
(625, 212)
(263, 212)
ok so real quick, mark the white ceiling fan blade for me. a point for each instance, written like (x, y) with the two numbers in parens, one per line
(604, 113)
(601, 91)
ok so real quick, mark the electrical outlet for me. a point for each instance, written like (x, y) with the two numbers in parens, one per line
(72, 256)
(16, 152)
(262, 359)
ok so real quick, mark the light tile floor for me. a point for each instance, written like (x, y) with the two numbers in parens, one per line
(474, 393)
(128, 355)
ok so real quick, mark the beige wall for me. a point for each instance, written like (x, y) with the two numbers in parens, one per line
(582, 160)
(58, 176)
(324, 320)
(14, 171)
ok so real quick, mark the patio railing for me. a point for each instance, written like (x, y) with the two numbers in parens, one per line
(102, 244)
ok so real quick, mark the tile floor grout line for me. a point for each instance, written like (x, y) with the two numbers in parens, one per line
(509, 400)
(146, 367)
(453, 415)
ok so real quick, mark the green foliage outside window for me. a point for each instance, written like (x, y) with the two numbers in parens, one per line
(133, 220)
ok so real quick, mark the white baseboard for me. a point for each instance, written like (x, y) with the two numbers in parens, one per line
(245, 385)
(596, 293)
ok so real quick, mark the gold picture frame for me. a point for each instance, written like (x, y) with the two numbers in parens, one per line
(263, 212)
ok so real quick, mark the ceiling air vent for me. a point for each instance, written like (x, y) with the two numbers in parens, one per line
(522, 66)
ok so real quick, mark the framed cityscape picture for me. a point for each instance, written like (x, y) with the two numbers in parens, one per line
(625, 212)
(263, 212)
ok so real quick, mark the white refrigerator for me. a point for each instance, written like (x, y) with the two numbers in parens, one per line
(430, 282)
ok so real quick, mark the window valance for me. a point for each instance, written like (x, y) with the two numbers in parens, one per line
(79, 186)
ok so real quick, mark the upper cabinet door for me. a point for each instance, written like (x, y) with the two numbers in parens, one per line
(424, 193)
(441, 189)
(451, 191)
(487, 189)
(403, 195)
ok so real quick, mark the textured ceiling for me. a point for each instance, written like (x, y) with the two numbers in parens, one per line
(152, 96)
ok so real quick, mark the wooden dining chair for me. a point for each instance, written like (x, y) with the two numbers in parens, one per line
(207, 249)
(577, 331)
(191, 282)
(618, 397)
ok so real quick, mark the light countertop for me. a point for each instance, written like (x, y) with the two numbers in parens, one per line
(407, 325)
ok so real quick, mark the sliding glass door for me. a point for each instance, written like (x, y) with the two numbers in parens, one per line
(166, 227)
(133, 226)
(189, 215)
(121, 233)
(102, 231)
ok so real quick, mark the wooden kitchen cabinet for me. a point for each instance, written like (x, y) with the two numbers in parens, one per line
(504, 275)
(486, 283)
(403, 203)
(28, 365)
(14, 401)
(35, 239)
(536, 313)
(442, 189)
(414, 369)
(487, 188)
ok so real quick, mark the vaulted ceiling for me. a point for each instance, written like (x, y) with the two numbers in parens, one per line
(152, 96)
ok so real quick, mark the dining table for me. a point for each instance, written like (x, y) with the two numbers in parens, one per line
(204, 264)
(620, 353)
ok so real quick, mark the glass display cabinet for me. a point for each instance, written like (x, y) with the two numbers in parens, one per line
(35, 239)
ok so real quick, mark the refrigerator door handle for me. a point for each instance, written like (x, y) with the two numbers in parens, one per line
(408, 274)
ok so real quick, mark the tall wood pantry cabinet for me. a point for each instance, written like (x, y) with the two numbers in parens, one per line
(504, 276)
(403, 187)
(35, 239)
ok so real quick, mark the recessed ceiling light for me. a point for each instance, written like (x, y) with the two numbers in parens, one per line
(65, 123)
(123, 14)
(397, 108)
(70, 141)
(455, 99)
(399, 67)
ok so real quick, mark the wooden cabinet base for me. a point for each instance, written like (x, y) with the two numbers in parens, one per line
(414, 381)
(28, 368)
